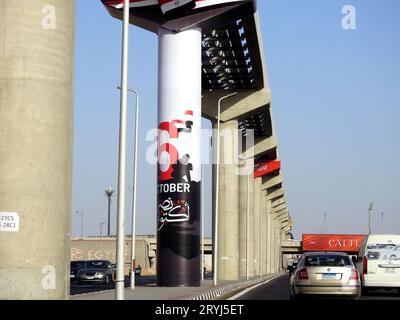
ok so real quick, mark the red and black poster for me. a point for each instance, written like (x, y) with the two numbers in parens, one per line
(179, 159)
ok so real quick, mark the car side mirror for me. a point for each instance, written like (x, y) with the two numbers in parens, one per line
(354, 259)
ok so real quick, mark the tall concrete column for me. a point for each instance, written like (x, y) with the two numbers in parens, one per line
(257, 226)
(278, 255)
(283, 258)
(36, 107)
(246, 184)
(252, 237)
(269, 242)
(269, 229)
(263, 236)
(228, 215)
(273, 244)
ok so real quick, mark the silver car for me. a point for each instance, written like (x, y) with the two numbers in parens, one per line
(96, 271)
(327, 274)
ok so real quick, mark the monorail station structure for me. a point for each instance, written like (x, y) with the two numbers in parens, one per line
(211, 64)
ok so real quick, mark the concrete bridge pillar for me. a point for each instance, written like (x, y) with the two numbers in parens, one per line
(246, 201)
(36, 108)
(265, 240)
(270, 241)
(263, 234)
(275, 245)
(228, 215)
(257, 226)
(278, 255)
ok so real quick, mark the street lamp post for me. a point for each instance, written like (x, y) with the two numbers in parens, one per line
(371, 206)
(81, 214)
(215, 267)
(134, 191)
(101, 237)
(109, 193)
(120, 273)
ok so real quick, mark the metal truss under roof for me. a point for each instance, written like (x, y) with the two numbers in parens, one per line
(226, 59)
(258, 123)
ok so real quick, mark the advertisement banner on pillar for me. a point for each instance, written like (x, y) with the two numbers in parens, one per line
(179, 159)
(179, 187)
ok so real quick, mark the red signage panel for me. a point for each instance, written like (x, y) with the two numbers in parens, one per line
(262, 168)
(332, 242)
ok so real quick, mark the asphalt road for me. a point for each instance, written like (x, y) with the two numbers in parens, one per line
(279, 290)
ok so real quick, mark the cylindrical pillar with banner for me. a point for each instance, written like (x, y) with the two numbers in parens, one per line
(179, 161)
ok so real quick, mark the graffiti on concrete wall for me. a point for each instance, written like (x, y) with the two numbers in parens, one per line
(79, 254)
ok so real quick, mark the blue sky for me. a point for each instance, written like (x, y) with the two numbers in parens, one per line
(336, 108)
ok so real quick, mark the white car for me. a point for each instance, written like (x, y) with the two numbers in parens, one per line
(379, 262)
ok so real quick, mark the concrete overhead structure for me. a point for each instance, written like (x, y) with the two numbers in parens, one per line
(233, 61)
(36, 108)
(251, 107)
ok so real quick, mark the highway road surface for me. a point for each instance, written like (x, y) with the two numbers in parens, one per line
(278, 289)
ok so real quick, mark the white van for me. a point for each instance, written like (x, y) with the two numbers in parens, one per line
(379, 262)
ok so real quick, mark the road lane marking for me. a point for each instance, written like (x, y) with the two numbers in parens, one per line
(236, 296)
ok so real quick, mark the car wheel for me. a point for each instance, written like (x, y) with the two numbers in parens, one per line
(107, 280)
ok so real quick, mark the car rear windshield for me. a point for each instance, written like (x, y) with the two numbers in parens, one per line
(77, 264)
(96, 264)
(327, 261)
